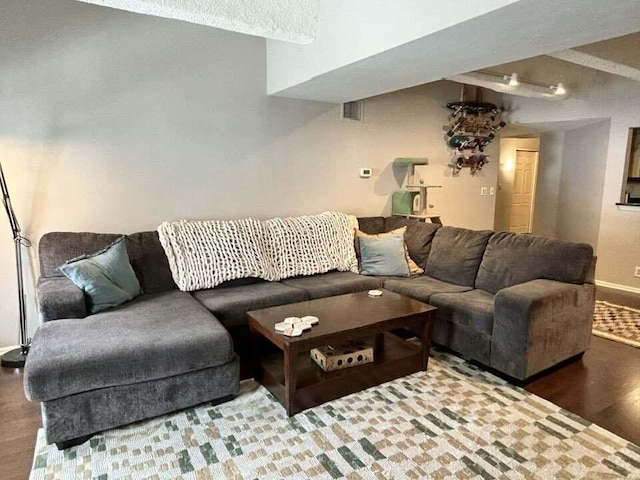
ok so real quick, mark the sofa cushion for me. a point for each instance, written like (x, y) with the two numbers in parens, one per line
(230, 304)
(470, 343)
(106, 277)
(421, 288)
(511, 259)
(414, 268)
(55, 248)
(371, 225)
(146, 255)
(384, 255)
(150, 262)
(333, 283)
(418, 237)
(473, 309)
(456, 254)
(152, 337)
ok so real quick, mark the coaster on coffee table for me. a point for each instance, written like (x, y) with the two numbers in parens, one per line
(295, 326)
(310, 319)
(293, 332)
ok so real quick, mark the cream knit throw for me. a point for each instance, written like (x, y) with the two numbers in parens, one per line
(203, 254)
(311, 244)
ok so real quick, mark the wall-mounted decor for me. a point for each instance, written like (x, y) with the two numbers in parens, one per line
(472, 126)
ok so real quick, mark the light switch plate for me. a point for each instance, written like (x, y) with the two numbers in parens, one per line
(366, 172)
(484, 191)
(492, 190)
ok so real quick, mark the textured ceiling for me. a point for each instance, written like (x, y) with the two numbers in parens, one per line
(288, 20)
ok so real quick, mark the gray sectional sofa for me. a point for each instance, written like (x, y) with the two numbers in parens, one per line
(516, 303)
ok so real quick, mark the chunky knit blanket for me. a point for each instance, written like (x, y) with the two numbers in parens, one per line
(204, 254)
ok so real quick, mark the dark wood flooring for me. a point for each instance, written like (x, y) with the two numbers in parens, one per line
(603, 387)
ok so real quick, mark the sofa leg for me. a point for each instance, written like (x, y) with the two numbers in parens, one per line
(74, 442)
(220, 400)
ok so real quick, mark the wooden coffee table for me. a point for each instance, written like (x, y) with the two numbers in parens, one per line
(298, 383)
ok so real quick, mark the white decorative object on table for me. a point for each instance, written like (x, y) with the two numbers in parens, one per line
(375, 293)
(293, 332)
(294, 326)
(310, 319)
(282, 326)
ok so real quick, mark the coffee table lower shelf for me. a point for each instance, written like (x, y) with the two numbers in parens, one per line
(395, 358)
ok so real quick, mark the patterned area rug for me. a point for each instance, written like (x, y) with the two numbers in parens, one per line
(618, 323)
(453, 421)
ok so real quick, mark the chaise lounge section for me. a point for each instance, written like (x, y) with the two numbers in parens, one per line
(160, 352)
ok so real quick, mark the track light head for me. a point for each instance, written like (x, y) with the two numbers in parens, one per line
(513, 79)
(559, 89)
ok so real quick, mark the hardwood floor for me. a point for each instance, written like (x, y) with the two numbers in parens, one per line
(603, 387)
(19, 422)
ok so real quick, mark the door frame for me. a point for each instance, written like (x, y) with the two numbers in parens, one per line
(534, 183)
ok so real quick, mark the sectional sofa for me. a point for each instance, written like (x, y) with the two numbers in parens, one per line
(516, 303)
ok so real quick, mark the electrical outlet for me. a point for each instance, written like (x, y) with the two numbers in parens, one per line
(636, 273)
(484, 191)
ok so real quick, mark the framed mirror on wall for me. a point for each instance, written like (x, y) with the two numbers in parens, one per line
(631, 193)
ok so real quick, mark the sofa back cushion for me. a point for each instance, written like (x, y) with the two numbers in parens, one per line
(371, 225)
(512, 258)
(56, 248)
(146, 255)
(150, 262)
(456, 254)
(418, 237)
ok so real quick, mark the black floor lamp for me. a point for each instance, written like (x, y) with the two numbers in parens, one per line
(16, 358)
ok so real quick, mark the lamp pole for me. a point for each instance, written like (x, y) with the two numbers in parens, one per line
(16, 358)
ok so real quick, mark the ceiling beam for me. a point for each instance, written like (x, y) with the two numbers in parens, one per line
(598, 63)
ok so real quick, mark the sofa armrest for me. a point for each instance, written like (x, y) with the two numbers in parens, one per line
(60, 298)
(540, 323)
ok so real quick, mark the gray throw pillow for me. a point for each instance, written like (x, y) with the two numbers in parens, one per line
(106, 277)
(383, 256)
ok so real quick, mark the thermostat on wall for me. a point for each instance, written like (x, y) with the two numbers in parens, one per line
(365, 172)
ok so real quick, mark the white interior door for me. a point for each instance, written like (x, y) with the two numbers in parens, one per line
(524, 181)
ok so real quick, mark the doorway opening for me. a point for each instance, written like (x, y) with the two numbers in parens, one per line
(517, 175)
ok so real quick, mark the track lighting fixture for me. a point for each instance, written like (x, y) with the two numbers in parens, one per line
(512, 84)
(513, 79)
(558, 89)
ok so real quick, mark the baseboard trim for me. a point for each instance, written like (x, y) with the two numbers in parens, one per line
(4, 350)
(615, 286)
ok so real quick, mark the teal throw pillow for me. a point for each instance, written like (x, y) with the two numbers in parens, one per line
(106, 277)
(383, 256)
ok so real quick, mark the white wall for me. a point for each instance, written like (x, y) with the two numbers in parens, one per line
(597, 95)
(506, 173)
(584, 159)
(114, 122)
(545, 213)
